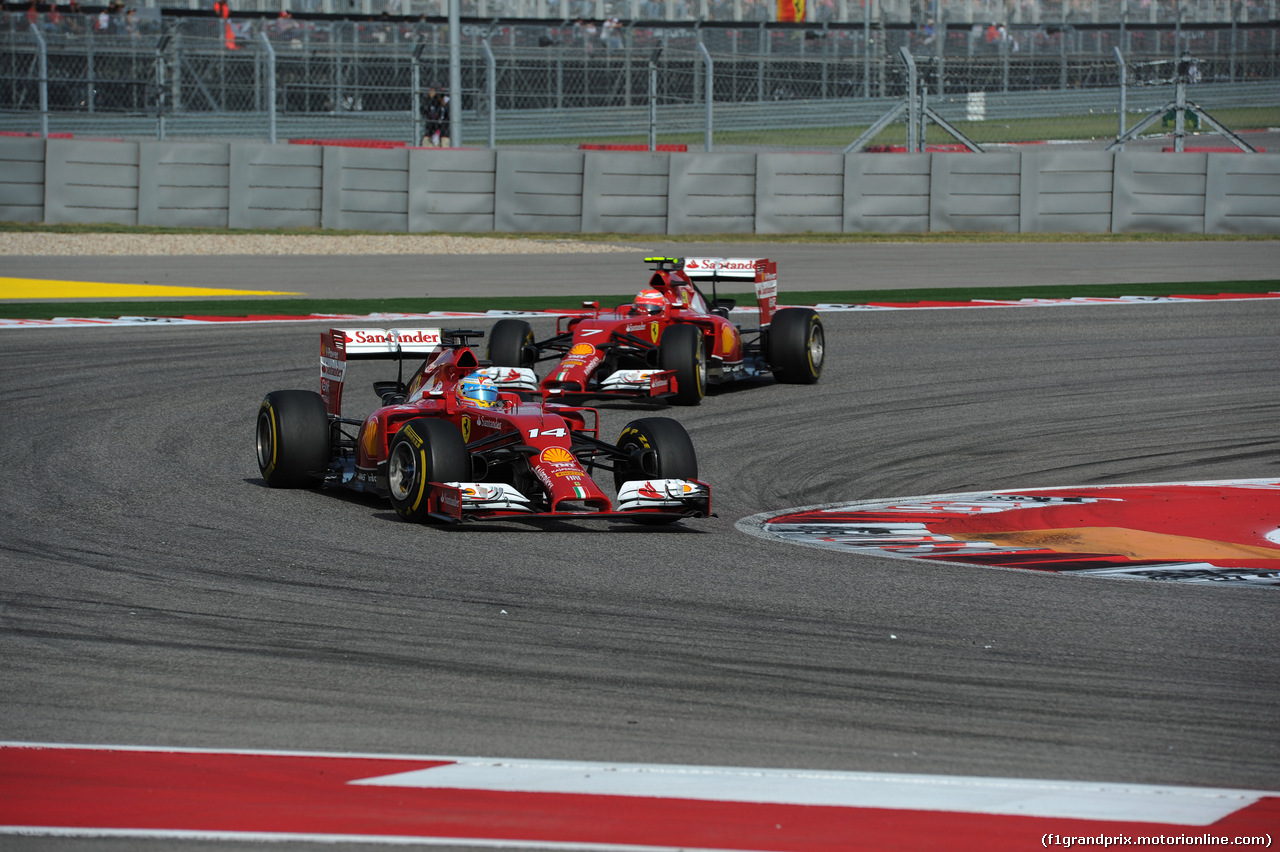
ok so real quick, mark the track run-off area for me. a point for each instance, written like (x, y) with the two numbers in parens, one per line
(192, 658)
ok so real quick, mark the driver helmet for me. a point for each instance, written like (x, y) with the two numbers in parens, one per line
(650, 302)
(478, 390)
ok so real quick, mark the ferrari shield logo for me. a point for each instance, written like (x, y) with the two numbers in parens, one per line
(653, 330)
(466, 428)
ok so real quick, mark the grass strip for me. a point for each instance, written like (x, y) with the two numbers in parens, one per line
(363, 307)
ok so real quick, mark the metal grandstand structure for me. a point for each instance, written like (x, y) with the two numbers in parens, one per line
(169, 72)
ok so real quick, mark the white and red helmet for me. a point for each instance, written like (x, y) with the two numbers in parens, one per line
(651, 302)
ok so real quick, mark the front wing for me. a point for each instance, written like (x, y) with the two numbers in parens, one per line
(640, 501)
(626, 384)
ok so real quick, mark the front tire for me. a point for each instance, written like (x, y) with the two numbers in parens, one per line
(293, 439)
(423, 451)
(510, 343)
(797, 346)
(658, 448)
(681, 349)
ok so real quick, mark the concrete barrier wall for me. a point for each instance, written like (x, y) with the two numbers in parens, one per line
(242, 185)
(365, 190)
(91, 182)
(22, 180)
(1066, 192)
(625, 194)
(187, 186)
(276, 186)
(452, 190)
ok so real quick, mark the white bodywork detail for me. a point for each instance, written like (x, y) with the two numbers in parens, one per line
(629, 380)
(491, 495)
(649, 493)
(512, 378)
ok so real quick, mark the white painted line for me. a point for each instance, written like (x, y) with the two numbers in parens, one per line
(957, 794)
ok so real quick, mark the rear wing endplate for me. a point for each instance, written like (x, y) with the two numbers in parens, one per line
(340, 345)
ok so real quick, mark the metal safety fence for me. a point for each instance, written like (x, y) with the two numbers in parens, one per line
(599, 13)
(702, 85)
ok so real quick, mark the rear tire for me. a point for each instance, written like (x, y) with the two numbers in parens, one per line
(797, 346)
(681, 349)
(509, 342)
(293, 439)
(424, 450)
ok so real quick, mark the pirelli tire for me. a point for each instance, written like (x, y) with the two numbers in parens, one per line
(656, 448)
(511, 343)
(797, 346)
(424, 451)
(293, 439)
(682, 349)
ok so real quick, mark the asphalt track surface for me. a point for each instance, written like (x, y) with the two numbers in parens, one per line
(156, 593)
(800, 267)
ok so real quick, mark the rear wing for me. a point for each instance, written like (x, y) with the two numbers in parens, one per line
(340, 345)
(763, 272)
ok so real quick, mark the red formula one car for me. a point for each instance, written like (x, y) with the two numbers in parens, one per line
(671, 342)
(464, 441)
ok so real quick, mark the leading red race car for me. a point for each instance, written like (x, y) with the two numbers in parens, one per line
(670, 342)
(464, 441)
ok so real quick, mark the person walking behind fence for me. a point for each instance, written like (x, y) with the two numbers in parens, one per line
(436, 112)
(222, 8)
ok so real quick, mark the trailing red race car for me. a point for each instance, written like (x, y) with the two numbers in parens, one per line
(670, 342)
(464, 441)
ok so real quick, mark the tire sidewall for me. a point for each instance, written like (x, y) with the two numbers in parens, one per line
(508, 340)
(424, 450)
(791, 334)
(671, 444)
(682, 349)
(293, 442)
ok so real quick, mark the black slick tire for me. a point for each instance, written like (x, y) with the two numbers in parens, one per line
(797, 346)
(659, 448)
(293, 439)
(423, 451)
(681, 349)
(509, 342)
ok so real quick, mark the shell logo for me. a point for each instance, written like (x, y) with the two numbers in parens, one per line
(556, 455)
(583, 349)
(370, 438)
(728, 337)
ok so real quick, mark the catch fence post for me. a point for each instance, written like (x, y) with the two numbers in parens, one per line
(710, 90)
(43, 84)
(271, 85)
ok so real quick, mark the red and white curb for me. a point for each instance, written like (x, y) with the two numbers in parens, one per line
(123, 791)
(92, 322)
(1224, 531)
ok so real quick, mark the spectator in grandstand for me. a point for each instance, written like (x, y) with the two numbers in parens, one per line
(611, 32)
(72, 17)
